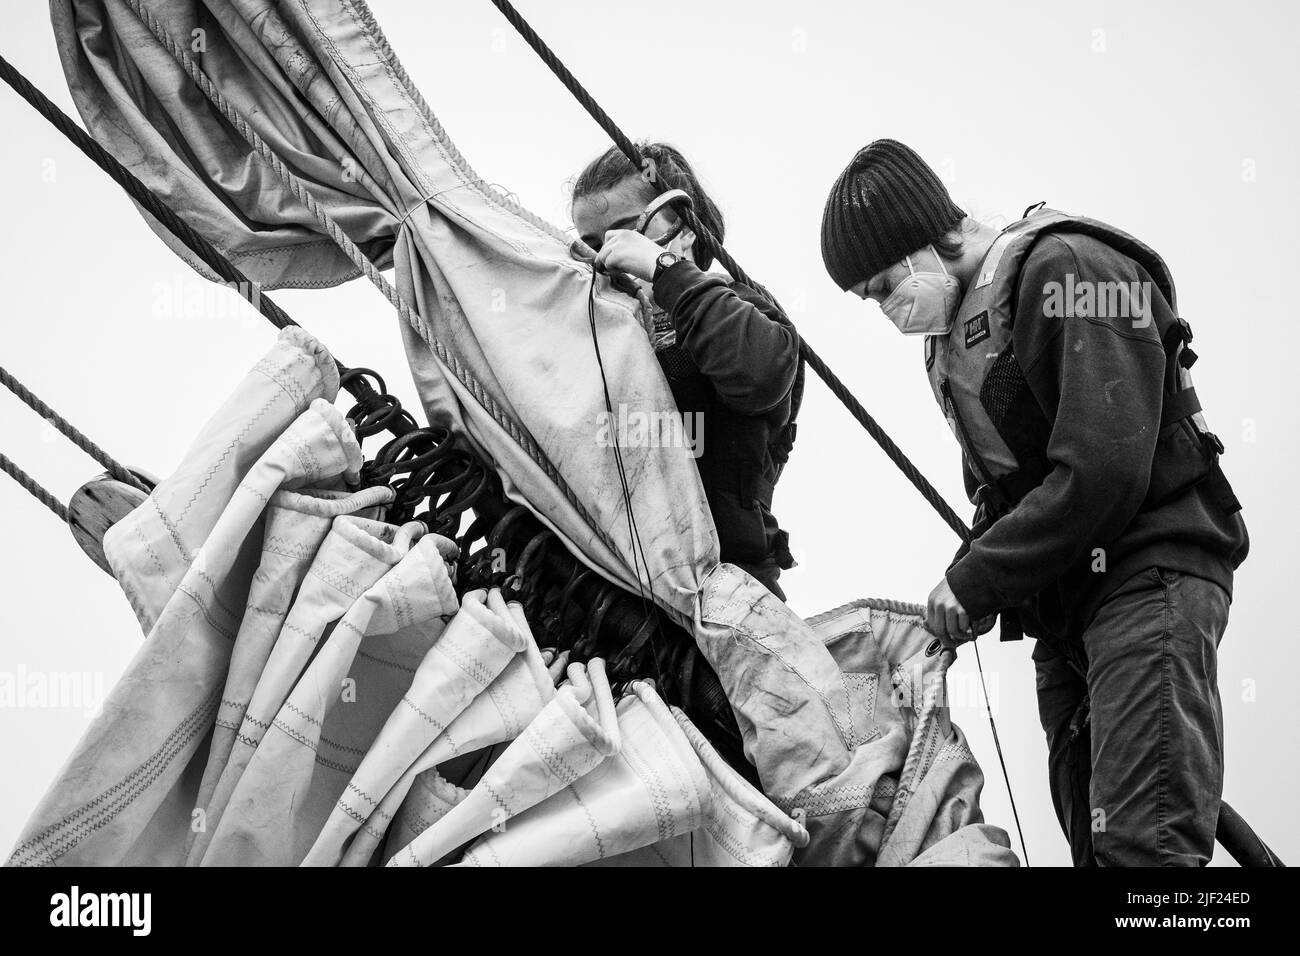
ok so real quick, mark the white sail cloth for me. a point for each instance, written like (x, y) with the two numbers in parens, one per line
(500, 343)
(310, 664)
(448, 712)
(666, 798)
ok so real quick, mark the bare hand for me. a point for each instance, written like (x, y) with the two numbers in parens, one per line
(627, 251)
(945, 618)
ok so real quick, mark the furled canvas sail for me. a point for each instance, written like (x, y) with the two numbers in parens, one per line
(664, 796)
(127, 793)
(337, 706)
(313, 668)
(296, 525)
(498, 713)
(458, 676)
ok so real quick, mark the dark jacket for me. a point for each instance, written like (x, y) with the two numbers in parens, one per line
(1115, 499)
(733, 371)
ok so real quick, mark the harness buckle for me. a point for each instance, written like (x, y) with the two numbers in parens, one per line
(993, 499)
(1183, 332)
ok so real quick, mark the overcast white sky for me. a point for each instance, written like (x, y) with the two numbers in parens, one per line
(1173, 120)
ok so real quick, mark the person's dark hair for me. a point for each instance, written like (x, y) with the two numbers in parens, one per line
(952, 242)
(611, 168)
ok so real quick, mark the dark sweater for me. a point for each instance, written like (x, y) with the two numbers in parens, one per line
(733, 369)
(1097, 384)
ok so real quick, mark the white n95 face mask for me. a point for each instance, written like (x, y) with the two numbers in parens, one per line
(925, 303)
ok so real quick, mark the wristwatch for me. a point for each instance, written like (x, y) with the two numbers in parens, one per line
(664, 261)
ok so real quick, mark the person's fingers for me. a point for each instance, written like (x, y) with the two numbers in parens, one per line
(938, 623)
(952, 623)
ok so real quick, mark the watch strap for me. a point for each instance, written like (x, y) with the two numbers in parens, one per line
(664, 261)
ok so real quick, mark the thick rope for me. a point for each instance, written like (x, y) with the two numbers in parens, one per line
(37, 490)
(512, 427)
(71, 432)
(706, 237)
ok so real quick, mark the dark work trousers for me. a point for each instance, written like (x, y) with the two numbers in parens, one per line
(1140, 784)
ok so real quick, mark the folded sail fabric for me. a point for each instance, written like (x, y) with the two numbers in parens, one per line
(562, 743)
(312, 676)
(184, 507)
(336, 708)
(741, 827)
(354, 556)
(665, 795)
(499, 713)
(128, 791)
(476, 646)
(296, 524)
(924, 784)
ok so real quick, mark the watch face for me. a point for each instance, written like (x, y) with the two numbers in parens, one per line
(666, 259)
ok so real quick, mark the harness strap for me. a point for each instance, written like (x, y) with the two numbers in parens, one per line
(1181, 404)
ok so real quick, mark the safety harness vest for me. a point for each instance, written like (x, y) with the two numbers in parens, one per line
(971, 367)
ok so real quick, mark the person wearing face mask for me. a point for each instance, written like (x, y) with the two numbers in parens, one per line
(1103, 522)
(730, 356)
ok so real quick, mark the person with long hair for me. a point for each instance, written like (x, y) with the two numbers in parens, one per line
(731, 357)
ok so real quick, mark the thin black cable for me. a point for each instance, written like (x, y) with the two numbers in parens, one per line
(639, 559)
(997, 743)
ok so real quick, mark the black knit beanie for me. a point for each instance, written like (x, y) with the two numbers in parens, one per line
(885, 205)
